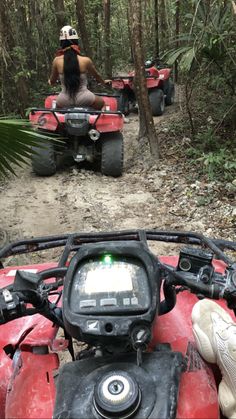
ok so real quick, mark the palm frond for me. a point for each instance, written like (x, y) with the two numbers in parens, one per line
(16, 141)
(187, 59)
(186, 53)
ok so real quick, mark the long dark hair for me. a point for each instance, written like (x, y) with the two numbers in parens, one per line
(71, 68)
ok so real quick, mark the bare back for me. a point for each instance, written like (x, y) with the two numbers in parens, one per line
(84, 64)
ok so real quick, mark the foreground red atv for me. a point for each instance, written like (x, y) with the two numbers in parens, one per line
(90, 135)
(110, 291)
(161, 89)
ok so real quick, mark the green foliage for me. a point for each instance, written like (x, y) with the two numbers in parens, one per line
(210, 42)
(216, 159)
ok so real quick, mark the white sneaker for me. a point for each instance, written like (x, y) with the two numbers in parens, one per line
(215, 335)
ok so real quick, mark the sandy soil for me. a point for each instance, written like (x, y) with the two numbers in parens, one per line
(165, 195)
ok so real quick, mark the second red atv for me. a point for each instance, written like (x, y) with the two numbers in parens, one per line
(88, 135)
(161, 90)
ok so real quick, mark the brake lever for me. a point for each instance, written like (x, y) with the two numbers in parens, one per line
(26, 281)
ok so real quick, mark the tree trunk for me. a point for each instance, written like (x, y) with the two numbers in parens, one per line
(129, 21)
(177, 17)
(157, 46)
(60, 13)
(163, 26)
(146, 123)
(107, 17)
(82, 27)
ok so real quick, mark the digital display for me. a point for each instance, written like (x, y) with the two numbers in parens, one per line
(116, 277)
(109, 283)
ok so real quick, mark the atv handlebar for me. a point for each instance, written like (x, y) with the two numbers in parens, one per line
(30, 288)
(205, 283)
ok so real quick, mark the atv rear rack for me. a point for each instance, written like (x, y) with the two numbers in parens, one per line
(54, 112)
(74, 110)
(72, 242)
(132, 77)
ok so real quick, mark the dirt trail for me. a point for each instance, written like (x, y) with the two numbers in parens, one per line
(75, 199)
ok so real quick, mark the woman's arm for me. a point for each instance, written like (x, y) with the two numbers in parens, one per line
(54, 73)
(92, 70)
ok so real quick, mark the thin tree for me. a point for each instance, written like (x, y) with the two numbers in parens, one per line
(177, 19)
(60, 13)
(107, 26)
(146, 123)
(157, 44)
(163, 25)
(83, 28)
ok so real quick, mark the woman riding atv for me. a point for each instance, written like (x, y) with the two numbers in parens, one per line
(72, 69)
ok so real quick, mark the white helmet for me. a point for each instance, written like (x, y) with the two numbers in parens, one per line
(67, 32)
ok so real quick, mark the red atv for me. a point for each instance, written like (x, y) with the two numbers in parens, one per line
(89, 135)
(161, 90)
(111, 292)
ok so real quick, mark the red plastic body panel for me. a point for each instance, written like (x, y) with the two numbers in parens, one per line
(45, 120)
(153, 71)
(105, 123)
(29, 377)
(158, 77)
(164, 73)
(23, 333)
(110, 103)
(31, 391)
(5, 374)
(122, 83)
(50, 102)
(153, 82)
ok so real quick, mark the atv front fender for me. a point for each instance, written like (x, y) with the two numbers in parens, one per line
(31, 390)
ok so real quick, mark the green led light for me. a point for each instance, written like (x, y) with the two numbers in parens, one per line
(107, 259)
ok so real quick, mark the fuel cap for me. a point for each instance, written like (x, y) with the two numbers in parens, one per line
(116, 395)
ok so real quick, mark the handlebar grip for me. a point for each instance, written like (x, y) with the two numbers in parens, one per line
(213, 291)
